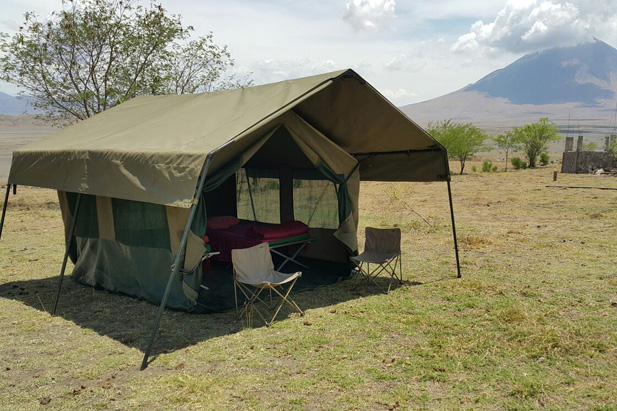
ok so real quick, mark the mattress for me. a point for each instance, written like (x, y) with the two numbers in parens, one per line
(249, 233)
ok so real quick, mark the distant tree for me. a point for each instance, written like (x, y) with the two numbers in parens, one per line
(535, 138)
(95, 54)
(508, 143)
(463, 141)
(612, 149)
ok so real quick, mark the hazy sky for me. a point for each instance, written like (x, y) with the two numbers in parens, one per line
(410, 50)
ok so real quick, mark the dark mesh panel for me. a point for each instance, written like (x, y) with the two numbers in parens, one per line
(316, 203)
(258, 195)
(140, 224)
(87, 222)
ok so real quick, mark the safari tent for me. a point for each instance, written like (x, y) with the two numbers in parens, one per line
(140, 185)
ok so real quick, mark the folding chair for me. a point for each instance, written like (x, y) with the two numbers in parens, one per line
(253, 273)
(383, 249)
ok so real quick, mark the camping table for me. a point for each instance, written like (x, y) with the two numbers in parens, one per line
(302, 240)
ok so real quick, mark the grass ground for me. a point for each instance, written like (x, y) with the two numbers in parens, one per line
(532, 323)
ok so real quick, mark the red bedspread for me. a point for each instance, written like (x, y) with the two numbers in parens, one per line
(244, 235)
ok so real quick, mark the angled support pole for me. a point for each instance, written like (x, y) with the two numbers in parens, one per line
(176, 265)
(458, 263)
(68, 248)
(6, 203)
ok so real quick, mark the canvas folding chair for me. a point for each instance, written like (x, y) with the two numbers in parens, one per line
(254, 273)
(382, 248)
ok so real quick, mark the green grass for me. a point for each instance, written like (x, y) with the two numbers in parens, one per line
(532, 323)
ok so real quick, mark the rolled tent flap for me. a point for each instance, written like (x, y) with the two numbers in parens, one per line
(337, 166)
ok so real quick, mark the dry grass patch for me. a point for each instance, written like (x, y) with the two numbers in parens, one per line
(474, 241)
(531, 323)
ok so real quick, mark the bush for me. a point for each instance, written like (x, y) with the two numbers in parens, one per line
(494, 170)
(474, 168)
(544, 159)
(487, 167)
(517, 163)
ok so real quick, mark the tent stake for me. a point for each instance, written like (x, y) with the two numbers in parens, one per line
(458, 264)
(176, 264)
(6, 203)
(66, 252)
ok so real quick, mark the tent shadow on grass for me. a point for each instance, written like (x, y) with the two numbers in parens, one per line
(129, 321)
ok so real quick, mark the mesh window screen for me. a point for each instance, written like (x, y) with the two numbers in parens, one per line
(316, 203)
(258, 195)
(87, 223)
(140, 224)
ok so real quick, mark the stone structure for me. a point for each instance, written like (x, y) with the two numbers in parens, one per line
(583, 162)
(569, 143)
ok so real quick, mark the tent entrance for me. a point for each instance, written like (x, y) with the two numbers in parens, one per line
(285, 180)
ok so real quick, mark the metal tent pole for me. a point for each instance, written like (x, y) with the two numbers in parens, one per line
(6, 203)
(176, 264)
(66, 252)
(458, 263)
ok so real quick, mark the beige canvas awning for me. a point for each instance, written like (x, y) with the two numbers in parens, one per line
(153, 148)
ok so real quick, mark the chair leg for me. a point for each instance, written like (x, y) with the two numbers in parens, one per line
(236, 297)
(285, 299)
(390, 267)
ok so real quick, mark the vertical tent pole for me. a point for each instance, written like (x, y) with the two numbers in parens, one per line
(458, 264)
(66, 252)
(248, 185)
(6, 203)
(176, 264)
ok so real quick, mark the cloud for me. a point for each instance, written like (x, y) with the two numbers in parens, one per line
(273, 70)
(398, 94)
(325, 66)
(531, 25)
(404, 62)
(370, 15)
(9, 25)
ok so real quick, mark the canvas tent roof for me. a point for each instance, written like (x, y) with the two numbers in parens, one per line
(153, 148)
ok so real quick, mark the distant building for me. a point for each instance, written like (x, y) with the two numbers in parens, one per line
(580, 161)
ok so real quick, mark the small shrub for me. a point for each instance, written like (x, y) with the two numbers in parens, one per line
(517, 163)
(474, 169)
(544, 159)
(487, 166)
(272, 184)
(494, 169)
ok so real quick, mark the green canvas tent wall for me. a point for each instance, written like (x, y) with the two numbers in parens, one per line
(133, 181)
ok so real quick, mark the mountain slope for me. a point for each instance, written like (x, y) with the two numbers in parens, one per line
(564, 84)
(13, 105)
(560, 75)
